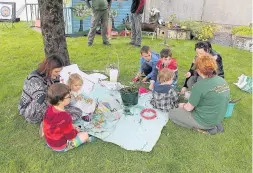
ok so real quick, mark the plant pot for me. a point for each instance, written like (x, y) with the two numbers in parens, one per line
(129, 97)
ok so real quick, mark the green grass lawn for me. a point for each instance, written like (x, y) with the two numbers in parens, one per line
(177, 150)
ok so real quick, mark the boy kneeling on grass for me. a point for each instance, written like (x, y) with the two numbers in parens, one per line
(59, 132)
(148, 63)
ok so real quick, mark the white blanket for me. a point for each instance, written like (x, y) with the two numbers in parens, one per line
(131, 132)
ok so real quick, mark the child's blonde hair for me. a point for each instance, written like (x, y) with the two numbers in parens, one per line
(74, 78)
(165, 75)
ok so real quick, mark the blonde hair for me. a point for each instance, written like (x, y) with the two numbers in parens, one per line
(74, 78)
(165, 75)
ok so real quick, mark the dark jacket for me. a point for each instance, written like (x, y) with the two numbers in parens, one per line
(33, 102)
(138, 6)
(220, 71)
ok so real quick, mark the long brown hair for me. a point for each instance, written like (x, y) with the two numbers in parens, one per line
(50, 63)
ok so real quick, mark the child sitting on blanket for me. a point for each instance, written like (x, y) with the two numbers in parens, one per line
(166, 61)
(164, 97)
(78, 98)
(60, 134)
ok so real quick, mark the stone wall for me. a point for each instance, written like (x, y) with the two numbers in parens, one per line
(243, 43)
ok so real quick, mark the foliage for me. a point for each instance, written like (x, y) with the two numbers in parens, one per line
(201, 31)
(81, 11)
(242, 31)
(172, 18)
(130, 89)
(207, 32)
(113, 13)
(194, 26)
(177, 149)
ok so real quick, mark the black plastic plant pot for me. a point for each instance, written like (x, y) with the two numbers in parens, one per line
(129, 97)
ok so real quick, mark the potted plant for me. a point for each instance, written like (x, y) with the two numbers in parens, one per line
(130, 94)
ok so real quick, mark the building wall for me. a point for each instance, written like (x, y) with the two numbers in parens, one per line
(231, 12)
(73, 24)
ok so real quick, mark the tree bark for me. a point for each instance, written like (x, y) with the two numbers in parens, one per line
(53, 28)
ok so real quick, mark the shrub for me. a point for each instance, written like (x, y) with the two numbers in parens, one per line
(242, 31)
(194, 26)
(207, 32)
(200, 31)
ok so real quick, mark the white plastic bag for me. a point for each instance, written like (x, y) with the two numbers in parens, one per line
(244, 83)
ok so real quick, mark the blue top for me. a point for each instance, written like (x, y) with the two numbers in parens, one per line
(152, 63)
(162, 88)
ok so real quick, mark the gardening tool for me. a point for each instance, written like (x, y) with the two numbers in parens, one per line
(235, 100)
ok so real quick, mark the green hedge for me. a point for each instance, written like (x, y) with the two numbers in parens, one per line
(242, 31)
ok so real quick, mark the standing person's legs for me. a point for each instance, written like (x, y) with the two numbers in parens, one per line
(138, 18)
(96, 16)
(104, 24)
(133, 35)
(184, 118)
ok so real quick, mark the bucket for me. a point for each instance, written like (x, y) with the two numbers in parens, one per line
(114, 75)
(230, 109)
(129, 98)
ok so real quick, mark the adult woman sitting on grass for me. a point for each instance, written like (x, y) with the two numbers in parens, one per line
(208, 102)
(33, 103)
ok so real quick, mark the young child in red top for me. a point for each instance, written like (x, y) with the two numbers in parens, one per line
(60, 134)
(166, 61)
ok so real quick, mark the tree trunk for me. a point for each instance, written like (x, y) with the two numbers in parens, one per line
(53, 30)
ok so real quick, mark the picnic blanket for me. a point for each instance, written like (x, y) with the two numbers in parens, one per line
(110, 122)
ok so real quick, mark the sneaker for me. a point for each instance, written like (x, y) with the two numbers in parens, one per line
(212, 131)
(89, 44)
(137, 46)
(107, 43)
(220, 128)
